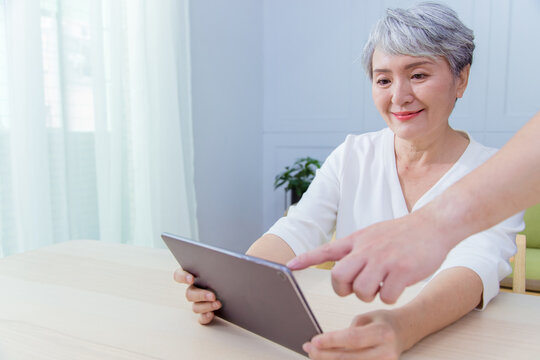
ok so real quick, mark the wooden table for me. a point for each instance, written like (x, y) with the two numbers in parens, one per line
(93, 300)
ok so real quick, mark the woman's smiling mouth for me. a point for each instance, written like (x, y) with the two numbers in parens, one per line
(406, 115)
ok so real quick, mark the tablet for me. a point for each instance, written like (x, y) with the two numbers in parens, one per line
(258, 295)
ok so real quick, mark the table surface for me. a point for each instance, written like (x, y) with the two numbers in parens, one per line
(94, 300)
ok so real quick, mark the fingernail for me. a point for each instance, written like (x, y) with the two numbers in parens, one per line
(189, 278)
(292, 263)
(209, 297)
(306, 347)
(215, 304)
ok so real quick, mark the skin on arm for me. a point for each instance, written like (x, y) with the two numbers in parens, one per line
(385, 334)
(504, 185)
(402, 251)
(269, 247)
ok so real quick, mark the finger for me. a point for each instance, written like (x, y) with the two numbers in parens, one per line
(196, 294)
(205, 307)
(357, 337)
(393, 286)
(326, 354)
(206, 318)
(367, 283)
(375, 353)
(183, 277)
(345, 271)
(328, 252)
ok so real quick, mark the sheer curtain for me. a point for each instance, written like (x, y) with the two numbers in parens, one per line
(95, 123)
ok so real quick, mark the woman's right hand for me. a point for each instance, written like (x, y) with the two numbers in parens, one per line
(204, 301)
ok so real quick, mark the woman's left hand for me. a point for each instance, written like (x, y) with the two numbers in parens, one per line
(375, 335)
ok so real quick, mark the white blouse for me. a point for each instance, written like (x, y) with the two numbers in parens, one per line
(358, 185)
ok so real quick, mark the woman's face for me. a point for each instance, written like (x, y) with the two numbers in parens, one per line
(415, 95)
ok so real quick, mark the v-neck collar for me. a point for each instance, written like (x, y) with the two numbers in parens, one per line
(399, 205)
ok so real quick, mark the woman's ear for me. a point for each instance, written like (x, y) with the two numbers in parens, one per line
(462, 81)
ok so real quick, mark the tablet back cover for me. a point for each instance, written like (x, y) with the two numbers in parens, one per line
(258, 295)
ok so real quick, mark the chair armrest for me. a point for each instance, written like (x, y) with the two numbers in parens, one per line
(519, 265)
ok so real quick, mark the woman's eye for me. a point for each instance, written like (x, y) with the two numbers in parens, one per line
(383, 82)
(419, 76)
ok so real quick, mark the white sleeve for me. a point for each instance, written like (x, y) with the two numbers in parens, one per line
(487, 254)
(312, 221)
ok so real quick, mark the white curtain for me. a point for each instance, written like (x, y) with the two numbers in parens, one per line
(95, 122)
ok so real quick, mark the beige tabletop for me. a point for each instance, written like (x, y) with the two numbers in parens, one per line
(93, 300)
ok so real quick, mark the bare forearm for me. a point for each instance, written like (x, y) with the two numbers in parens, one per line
(448, 297)
(271, 247)
(506, 184)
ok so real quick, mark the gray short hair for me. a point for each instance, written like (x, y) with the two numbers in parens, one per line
(428, 29)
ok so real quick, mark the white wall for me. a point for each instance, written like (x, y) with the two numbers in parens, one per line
(276, 80)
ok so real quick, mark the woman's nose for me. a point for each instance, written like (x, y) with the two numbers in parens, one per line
(402, 93)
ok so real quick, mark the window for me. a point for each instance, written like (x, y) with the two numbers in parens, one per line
(4, 109)
(68, 166)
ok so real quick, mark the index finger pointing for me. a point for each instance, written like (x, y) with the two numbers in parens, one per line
(328, 252)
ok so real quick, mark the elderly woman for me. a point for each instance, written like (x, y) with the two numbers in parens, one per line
(418, 61)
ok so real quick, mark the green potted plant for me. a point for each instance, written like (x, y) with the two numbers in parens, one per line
(296, 178)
